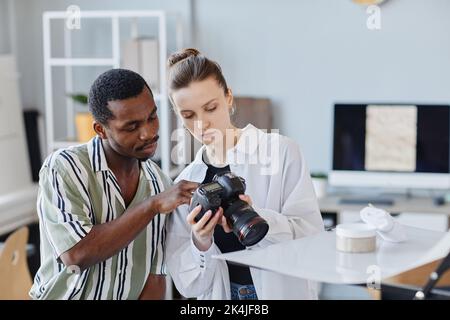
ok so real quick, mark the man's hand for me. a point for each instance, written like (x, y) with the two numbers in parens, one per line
(107, 239)
(173, 197)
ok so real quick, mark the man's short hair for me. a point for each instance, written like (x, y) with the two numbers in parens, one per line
(114, 84)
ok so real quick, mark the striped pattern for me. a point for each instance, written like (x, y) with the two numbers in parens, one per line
(76, 191)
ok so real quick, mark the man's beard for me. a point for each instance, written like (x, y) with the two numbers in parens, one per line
(143, 159)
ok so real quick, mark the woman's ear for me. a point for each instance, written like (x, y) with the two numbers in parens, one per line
(99, 129)
(229, 98)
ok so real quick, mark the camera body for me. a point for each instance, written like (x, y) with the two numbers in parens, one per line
(224, 192)
(221, 192)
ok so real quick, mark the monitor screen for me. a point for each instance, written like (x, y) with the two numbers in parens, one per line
(398, 140)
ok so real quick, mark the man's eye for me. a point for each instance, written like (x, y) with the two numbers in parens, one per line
(131, 129)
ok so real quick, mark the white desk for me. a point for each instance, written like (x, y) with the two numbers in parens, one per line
(316, 257)
(419, 204)
(18, 208)
(331, 207)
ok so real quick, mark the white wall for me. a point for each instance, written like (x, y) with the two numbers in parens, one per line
(303, 54)
(30, 48)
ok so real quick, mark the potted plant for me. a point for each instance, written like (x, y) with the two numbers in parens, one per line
(320, 183)
(83, 119)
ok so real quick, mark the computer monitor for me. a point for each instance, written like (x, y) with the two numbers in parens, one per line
(391, 146)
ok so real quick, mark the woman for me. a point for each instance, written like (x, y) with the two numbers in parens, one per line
(278, 183)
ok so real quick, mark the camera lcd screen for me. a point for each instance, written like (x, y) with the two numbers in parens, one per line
(212, 187)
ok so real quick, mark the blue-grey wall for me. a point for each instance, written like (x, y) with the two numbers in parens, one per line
(303, 54)
(4, 28)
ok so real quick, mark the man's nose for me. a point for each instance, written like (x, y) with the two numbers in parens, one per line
(148, 132)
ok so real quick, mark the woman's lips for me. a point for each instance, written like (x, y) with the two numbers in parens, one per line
(208, 134)
(208, 138)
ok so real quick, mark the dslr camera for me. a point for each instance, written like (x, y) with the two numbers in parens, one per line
(224, 192)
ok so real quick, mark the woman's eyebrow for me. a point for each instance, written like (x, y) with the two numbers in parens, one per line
(208, 102)
(187, 110)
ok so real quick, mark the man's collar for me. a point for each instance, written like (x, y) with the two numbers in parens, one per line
(98, 160)
(97, 155)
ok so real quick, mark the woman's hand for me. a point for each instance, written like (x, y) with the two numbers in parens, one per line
(246, 198)
(203, 230)
(223, 222)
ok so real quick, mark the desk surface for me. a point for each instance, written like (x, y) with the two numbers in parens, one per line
(316, 257)
(420, 204)
(18, 208)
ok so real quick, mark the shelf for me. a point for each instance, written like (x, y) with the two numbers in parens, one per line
(69, 63)
(63, 62)
(65, 144)
(107, 14)
(78, 107)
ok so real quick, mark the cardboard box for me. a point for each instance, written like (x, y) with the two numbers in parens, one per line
(141, 56)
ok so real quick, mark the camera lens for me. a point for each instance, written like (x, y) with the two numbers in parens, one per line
(248, 226)
(253, 231)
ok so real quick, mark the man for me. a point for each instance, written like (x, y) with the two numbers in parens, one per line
(102, 204)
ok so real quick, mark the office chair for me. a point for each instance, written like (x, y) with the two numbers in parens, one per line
(15, 278)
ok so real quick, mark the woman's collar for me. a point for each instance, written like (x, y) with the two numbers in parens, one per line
(247, 144)
(248, 141)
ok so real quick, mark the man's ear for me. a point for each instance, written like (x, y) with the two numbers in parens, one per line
(99, 129)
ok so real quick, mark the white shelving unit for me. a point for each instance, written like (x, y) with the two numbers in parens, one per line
(114, 62)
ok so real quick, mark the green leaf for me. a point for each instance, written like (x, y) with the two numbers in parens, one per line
(79, 97)
(320, 175)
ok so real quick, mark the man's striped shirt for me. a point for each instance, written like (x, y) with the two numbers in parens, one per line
(77, 190)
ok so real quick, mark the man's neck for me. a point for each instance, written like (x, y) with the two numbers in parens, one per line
(119, 164)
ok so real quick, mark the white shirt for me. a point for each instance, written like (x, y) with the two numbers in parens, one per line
(279, 183)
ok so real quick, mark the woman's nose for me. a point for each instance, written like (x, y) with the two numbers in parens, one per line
(202, 124)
